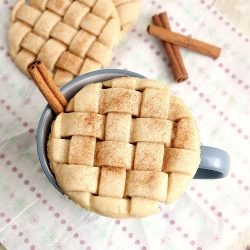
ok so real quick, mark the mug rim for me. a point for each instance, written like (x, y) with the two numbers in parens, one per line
(40, 129)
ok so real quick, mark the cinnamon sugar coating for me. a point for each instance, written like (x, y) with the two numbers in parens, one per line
(113, 156)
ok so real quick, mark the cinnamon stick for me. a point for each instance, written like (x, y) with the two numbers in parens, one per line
(47, 87)
(184, 41)
(50, 82)
(164, 19)
(175, 59)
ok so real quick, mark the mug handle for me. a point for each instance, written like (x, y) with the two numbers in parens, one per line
(215, 163)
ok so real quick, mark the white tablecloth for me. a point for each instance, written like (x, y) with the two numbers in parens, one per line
(211, 213)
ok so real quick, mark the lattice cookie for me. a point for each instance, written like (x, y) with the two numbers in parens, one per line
(124, 145)
(70, 37)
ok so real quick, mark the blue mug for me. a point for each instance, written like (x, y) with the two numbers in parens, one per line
(215, 163)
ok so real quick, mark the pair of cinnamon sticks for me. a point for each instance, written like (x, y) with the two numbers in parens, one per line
(172, 40)
(47, 86)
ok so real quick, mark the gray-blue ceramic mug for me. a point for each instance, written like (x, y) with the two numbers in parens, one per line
(215, 163)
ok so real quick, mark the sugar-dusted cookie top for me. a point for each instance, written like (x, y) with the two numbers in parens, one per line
(123, 146)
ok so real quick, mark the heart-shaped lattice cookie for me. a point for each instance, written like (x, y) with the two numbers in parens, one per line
(70, 37)
(123, 146)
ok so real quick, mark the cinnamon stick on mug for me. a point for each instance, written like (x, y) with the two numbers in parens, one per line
(184, 41)
(47, 86)
(173, 52)
(50, 82)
